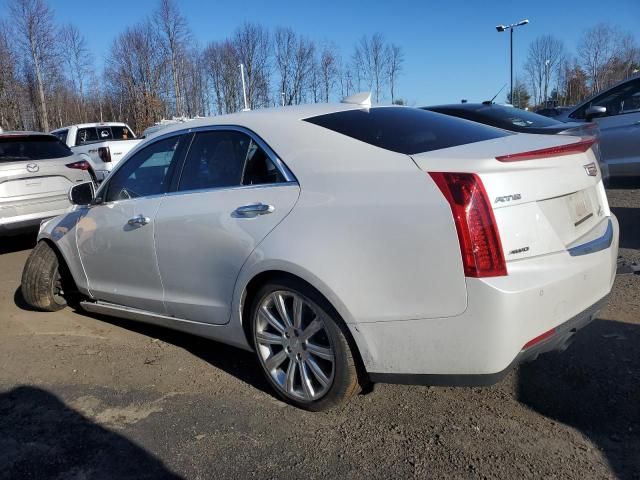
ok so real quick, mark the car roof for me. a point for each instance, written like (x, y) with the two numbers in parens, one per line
(26, 133)
(91, 125)
(264, 119)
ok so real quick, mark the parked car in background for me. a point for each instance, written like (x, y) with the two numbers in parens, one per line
(36, 173)
(510, 118)
(553, 111)
(522, 121)
(343, 244)
(103, 145)
(616, 111)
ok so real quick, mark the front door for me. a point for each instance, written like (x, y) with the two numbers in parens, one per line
(116, 237)
(230, 196)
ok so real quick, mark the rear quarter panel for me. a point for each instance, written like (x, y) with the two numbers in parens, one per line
(370, 231)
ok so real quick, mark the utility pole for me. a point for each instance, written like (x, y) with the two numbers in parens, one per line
(244, 89)
(502, 28)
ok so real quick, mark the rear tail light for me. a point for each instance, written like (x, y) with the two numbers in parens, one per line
(476, 226)
(578, 147)
(80, 165)
(105, 154)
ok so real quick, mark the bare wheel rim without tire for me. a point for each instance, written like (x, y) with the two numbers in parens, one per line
(294, 345)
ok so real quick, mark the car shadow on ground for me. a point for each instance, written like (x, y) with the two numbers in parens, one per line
(18, 243)
(236, 362)
(594, 387)
(629, 219)
(41, 437)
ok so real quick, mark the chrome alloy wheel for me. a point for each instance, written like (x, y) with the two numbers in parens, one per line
(294, 346)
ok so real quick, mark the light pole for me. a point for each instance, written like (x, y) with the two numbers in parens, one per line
(502, 28)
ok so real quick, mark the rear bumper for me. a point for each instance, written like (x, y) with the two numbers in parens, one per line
(559, 341)
(557, 291)
(21, 216)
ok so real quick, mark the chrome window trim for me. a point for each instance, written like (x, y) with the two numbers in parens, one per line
(237, 187)
(290, 179)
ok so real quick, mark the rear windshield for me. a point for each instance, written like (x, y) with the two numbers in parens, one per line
(103, 134)
(31, 147)
(406, 130)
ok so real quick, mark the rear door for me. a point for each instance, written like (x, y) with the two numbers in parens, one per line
(116, 237)
(232, 192)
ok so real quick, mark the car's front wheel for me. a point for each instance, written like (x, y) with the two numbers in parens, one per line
(302, 347)
(42, 285)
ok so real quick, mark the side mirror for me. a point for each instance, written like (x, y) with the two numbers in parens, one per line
(82, 193)
(594, 112)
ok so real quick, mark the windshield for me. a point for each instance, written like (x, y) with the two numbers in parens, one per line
(511, 116)
(406, 130)
(15, 148)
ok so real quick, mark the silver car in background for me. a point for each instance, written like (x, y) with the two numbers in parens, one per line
(616, 111)
(36, 172)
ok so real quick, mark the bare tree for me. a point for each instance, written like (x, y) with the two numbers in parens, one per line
(394, 60)
(10, 90)
(221, 64)
(596, 50)
(370, 61)
(135, 71)
(329, 69)
(78, 62)
(543, 61)
(35, 32)
(252, 45)
(174, 38)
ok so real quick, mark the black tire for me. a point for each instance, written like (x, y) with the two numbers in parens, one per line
(42, 280)
(345, 375)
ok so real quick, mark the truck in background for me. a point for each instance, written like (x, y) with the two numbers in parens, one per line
(103, 145)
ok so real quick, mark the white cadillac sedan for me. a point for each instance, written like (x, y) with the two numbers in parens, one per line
(345, 244)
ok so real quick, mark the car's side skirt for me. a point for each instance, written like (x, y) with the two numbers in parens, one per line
(223, 333)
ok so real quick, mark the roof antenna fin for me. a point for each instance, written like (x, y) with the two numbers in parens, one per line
(362, 98)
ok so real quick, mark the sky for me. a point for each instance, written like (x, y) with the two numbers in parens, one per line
(451, 47)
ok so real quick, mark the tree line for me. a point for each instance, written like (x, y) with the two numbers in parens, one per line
(156, 69)
(604, 56)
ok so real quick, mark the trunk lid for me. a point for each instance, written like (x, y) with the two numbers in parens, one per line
(541, 206)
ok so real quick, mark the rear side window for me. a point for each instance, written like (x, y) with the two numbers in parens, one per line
(31, 147)
(221, 158)
(86, 135)
(103, 134)
(406, 130)
(511, 116)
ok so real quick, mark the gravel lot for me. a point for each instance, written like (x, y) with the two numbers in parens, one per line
(88, 397)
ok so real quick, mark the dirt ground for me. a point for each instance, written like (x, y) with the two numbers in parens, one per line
(88, 397)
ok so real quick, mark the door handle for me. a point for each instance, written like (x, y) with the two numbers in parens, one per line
(253, 210)
(138, 221)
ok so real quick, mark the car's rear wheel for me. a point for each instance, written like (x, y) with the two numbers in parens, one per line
(42, 282)
(302, 346)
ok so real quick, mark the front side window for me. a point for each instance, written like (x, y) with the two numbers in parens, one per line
(220, 159)
(146, 173)
(623, 99)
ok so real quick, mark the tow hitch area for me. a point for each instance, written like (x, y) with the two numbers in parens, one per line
(627, 268)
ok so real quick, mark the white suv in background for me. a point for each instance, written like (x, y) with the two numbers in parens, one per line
(103, 145)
